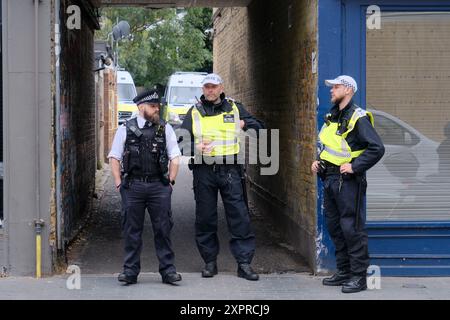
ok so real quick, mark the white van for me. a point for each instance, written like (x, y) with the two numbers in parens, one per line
(182, 92)
(126, 91)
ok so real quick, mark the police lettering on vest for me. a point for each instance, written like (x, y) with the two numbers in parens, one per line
(332, 136)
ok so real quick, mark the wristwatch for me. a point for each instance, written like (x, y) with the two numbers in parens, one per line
(172, 182)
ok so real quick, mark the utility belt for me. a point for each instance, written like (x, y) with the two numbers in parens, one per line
(332, 170)
(327, 168)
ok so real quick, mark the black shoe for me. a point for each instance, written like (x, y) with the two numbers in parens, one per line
(337, 279)
(171, 278)
(210, 270)
(127, 279)
(245, 271)
(355, 284)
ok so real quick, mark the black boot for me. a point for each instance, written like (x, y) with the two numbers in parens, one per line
(355, 284)
(171, 278)
(210, 270)
(337, 279)
(123, 277)
(245, 271)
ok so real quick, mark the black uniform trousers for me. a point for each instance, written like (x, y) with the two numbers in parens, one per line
(350, 240)
(156, 198)
(226, 178)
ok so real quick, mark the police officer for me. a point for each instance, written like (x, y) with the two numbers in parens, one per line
(215, 123)
(147, 149)
(350, 146)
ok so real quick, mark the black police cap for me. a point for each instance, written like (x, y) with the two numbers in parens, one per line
(151, 96)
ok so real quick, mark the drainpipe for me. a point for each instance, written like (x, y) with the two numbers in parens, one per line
(38, 224)
(58, 126)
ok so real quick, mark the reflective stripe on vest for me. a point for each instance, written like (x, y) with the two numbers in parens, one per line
(335, 148)
(224, 135)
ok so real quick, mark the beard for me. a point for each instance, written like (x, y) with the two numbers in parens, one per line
(336, 100)
(211, 98)
(153, 118)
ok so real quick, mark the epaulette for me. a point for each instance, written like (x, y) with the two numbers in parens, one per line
(229, 99)
(133, 126)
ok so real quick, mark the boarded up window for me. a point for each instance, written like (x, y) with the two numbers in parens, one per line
(408, 90)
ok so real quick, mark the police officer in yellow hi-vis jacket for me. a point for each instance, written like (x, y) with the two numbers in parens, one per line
(215, 123)
(350, 146)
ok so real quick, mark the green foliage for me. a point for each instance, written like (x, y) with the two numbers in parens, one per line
(163, 42)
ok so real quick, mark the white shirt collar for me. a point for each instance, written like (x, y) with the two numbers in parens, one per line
(141, 121)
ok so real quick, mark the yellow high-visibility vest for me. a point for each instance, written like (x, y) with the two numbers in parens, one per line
(221, 130)
(335, 148)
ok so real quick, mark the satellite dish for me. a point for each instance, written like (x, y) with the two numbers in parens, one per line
(124, 28)
(121, 30)
(116, 33)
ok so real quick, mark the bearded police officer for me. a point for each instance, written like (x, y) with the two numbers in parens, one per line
(350, 146)
(147, 149)
(215, 123)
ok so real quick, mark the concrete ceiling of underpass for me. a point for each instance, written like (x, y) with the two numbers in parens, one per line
(176, 3)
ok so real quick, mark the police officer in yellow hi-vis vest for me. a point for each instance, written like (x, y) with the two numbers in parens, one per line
(215, 123)
(350, 146)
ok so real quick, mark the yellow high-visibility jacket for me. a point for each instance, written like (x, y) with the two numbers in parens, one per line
(335, 148)
(221, 130)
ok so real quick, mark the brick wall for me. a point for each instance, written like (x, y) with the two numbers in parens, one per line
(110, 110)
(100, 118)
(107, 118)
(267, 64)
(77, 120)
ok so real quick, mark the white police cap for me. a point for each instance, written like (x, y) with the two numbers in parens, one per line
(347, 81)
(212, 78)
